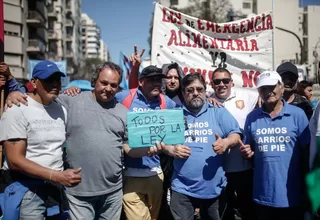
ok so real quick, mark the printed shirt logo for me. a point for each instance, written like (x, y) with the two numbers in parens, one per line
(240, 104)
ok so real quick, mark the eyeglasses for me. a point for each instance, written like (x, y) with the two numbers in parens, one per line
(192, 90)
(224, 80)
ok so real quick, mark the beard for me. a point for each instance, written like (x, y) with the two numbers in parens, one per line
(196, 103)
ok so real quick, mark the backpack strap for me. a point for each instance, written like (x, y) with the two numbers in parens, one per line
(128, 100)
(163, 104)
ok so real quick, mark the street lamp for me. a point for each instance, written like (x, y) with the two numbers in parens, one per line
(302, 52)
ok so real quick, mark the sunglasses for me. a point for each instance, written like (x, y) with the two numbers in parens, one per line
(224, 80)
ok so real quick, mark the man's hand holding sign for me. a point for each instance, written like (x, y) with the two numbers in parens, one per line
(149, 133)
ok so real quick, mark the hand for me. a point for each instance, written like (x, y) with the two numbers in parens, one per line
(5, 71)
(220, 145)
(72, 91)
(16, 98)
(135, 58)
(3, 80)
(68, 177)
(246, 150)
(181, 151)
(155, 150)
(215, 102)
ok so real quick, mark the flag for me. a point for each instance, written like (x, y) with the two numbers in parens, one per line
(125, 65)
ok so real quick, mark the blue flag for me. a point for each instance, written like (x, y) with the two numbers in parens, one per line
(125, 64)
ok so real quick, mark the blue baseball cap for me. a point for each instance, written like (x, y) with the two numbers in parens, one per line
(44, 69)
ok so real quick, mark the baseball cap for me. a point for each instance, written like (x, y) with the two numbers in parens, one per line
(287, 67)
(268, 78)
(151, 71)
(44, 69)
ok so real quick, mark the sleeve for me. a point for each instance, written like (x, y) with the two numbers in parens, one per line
(308, 109)
(303, 129)
(13, 85)
(170, 104)
(228, 123)
(315, 119)
(64, 100)
(13, 124)
(120, 96)
(247, 132)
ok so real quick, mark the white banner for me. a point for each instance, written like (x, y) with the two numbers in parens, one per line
(244, 47)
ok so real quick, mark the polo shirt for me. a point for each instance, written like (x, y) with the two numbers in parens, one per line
(201, 175)
(277, 143)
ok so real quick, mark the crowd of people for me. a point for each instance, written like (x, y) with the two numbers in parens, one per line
(246, 152)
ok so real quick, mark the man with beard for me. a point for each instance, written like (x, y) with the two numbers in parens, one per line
(239, 173)
(198, 176)
(289, 75)
(144, 176)
(277, 137)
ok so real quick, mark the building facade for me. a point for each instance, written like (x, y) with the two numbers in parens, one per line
(103, 51)
(25, 34)
(90, 37)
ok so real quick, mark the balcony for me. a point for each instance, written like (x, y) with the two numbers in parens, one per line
(69, 53)
(68, 8)
(36, 46)
(35, 19)
(52, 35)
(52, 13)
(69, 37)
(69, 22)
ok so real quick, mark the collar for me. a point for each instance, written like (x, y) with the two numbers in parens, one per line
(284, 111)
(231, 96)
(140, 94)
(204, 108)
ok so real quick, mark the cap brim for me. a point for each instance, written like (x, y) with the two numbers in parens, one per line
(152, 74)
(269, 82)
(48, 75)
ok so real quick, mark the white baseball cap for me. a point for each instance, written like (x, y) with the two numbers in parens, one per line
(268, 78)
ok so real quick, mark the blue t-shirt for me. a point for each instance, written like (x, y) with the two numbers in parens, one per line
(141, 104)
(201, 175)
(277, 143)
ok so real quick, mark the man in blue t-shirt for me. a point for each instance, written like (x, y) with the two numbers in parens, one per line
(278, 136)
(143, 176)
(198, 176)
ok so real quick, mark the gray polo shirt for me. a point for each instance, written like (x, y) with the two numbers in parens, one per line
(95, 137)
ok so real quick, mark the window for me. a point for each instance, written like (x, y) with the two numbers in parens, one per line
(174, 2)
(246, 5)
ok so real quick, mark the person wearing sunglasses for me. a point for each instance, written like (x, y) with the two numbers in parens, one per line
(239, 102)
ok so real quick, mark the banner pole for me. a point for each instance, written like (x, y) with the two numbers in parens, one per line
(273, 37)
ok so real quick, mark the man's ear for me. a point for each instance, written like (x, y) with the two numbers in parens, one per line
(140, 82)
(33, 83)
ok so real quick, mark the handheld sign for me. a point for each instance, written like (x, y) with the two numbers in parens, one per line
(145, 128)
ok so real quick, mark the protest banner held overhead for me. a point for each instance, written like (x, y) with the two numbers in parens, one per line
(244, 47)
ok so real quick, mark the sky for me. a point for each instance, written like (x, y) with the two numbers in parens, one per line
(123, 23)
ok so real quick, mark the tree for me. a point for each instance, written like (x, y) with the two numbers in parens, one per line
(217, 11)
(87, 69)
(211, 10)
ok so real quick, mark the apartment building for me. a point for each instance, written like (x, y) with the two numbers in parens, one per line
(90, 37)
(103, 51)
(25, 31)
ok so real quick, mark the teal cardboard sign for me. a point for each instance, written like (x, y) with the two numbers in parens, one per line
(145, 128)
